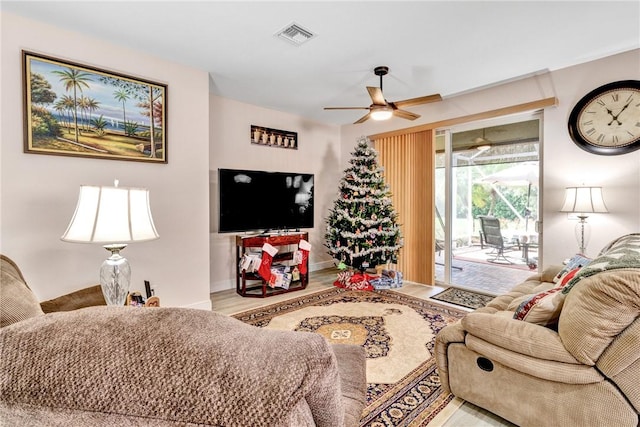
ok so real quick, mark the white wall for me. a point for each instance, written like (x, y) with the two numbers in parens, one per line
(318, 153)
(564, 164)
(39, 192)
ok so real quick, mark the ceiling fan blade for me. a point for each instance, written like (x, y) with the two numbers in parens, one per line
(404, 114)
(346, 108)
(362, 119)
(376, 95)
(417, 101)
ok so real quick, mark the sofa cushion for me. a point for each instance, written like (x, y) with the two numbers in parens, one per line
(597, 310)
(18, 301)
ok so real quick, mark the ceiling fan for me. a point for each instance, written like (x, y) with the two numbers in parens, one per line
(381, 109)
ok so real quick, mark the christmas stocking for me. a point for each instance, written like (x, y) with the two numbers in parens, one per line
(304, 247)
(268, 252)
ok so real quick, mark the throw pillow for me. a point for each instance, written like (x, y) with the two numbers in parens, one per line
(576, 261)
(18, 302)
(543, 308)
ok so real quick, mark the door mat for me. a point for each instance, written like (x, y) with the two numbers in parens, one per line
(463, 298)
(398, 333)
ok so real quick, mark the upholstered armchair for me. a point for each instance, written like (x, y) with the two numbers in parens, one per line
(574, 359)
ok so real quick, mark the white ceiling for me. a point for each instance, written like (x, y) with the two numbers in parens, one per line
(445, 47)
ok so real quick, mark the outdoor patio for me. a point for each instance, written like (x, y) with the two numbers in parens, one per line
(472, 270)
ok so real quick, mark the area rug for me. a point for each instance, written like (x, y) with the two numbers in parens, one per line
(463, 298)
(398, 334)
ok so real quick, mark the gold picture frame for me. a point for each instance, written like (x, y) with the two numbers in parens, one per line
(77, 110)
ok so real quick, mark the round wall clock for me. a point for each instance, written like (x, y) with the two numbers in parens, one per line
(607, 120)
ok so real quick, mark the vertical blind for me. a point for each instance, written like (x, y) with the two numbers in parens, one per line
(409, 170)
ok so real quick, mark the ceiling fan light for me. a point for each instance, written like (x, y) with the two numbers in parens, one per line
(383, 112)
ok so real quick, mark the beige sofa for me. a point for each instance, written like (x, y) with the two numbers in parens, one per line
(578, 367)
(128, 366)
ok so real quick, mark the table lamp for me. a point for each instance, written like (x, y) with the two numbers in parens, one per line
(112, 216)
(583, 200)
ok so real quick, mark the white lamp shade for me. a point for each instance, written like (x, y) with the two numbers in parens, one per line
(111, 215)
(584, 200)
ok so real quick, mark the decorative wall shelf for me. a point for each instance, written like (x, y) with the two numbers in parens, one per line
(261, 135)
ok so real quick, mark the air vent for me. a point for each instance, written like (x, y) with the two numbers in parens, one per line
(295, 34)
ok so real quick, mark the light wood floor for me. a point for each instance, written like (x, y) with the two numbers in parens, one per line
(229, 302)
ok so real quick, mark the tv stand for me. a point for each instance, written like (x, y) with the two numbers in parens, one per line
(246, 283)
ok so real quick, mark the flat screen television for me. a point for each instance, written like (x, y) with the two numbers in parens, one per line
(263, 201)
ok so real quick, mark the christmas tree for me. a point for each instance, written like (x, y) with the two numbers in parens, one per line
(362, 231)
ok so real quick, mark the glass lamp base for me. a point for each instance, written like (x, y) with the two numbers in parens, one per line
(583, 234)
(115, 276)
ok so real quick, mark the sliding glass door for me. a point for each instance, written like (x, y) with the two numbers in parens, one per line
(487, 203)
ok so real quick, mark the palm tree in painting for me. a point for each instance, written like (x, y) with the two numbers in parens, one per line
(92, 105)
(65, 105)
(82, 105)
(87, 106)
(61, 109)
(122, 96)
(74, 80)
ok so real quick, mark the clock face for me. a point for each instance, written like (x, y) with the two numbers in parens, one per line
(607, 120)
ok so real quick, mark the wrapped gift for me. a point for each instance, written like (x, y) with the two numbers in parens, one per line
(381, 282)
(395, 276)
(354, 281)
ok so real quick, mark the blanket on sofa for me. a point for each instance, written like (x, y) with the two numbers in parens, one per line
(164, 366)
(622, 253)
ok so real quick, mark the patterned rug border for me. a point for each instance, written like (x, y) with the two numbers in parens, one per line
(414, 400)
(267, 312)
(444, 296)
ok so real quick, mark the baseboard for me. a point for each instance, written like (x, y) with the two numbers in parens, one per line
(201, 305)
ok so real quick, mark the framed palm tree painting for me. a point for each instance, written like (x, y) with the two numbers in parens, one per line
(77, 110)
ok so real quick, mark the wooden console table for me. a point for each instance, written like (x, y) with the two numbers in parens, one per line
(246, 282)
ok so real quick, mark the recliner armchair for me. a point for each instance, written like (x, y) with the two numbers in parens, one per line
(583, 371)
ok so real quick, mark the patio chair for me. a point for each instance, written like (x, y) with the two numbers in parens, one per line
(493, 238)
